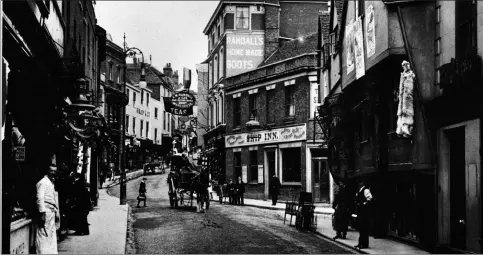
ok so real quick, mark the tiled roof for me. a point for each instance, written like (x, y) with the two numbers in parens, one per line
(153, 75)
(293, 48)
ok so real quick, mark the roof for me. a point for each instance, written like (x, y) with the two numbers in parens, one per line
(223, 3)
(325, 27)
(296, 47)
(153, 76)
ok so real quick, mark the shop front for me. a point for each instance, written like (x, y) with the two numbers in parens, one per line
(259, 155)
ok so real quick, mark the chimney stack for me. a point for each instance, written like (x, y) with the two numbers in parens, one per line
(176, 77)
(167, 70)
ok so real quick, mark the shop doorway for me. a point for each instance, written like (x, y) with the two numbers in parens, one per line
(320, 180)
(271, 160)
(457, 187)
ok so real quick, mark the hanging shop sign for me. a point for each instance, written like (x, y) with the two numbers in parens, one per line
(370, 32)
(280, 135)
(349, 39)
(180, 104)
(359, 48)
(20, 153)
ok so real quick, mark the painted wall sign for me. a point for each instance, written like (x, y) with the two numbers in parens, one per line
(370, 32)
(143, 112)
(359, 48)
(349, 43)
(288, 134)
(183, 100)
(314, 98)
(243, 53)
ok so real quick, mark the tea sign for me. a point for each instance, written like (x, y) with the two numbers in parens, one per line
(183, 99)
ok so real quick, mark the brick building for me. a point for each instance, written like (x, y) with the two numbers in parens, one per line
(241, 35)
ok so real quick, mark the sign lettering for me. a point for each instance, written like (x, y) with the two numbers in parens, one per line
(273, 136)
(243, 53)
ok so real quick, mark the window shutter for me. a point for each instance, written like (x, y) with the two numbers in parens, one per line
(229, 21)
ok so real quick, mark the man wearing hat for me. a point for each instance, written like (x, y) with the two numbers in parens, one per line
(46, 236)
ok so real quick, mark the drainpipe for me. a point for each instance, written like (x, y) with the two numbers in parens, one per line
(425, 121)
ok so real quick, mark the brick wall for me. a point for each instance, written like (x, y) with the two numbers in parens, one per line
(298, 19)
(272, 33)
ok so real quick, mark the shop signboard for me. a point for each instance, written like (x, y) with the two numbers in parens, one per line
(244, 52)
(181, 103)
(280, 135)
(359, 48)
(20, 153)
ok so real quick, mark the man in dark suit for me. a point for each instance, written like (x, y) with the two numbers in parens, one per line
(364, 198)
(142, 192)
(275, 189)
(240, 190)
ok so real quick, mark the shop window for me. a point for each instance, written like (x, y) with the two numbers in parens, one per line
(252, 105)
(270, 101)
(254, 166)
(291, 165)
(290, 101)
(242, 18)
(236, 112)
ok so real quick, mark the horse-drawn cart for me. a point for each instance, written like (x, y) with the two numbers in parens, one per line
(186, 179)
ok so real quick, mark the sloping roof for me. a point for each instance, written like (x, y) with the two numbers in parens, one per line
(339, 6)
(153, 76)
(294, 48)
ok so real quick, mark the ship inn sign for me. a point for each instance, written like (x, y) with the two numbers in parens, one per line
(280, 135)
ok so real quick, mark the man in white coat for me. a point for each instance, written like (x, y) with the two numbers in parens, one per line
(46, 236)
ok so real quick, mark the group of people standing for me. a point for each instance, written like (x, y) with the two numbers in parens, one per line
(236, 192)
(345, 203)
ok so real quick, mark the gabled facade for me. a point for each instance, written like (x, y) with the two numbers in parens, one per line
(242, 35)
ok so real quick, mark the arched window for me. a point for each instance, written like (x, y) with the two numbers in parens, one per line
(221, 63)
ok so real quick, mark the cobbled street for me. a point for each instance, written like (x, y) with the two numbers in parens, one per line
(222, 229)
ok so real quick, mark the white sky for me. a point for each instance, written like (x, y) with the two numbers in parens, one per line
(170, 31)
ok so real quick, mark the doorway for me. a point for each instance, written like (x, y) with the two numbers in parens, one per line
(320, 180)
(457, 187)
(271, 168)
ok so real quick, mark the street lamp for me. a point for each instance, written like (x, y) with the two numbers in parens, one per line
(128, 52)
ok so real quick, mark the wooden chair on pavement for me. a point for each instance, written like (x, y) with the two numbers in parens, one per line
(291, 208)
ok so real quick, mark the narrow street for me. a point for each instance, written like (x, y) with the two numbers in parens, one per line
(222, 229)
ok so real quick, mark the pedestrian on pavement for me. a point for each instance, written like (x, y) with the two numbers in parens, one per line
(82, 205)
(142, 192)
(102, 176)
(46, 232)
(341, 217)
(363, 199)
(231, 192)
(111, 171)
(275, 189)
(240, 190)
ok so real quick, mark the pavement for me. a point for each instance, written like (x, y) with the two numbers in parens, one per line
(324, 228)
(108, 225)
